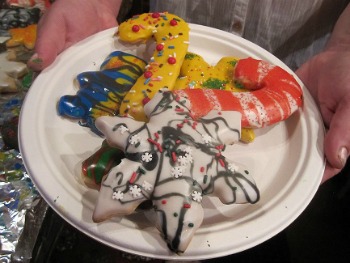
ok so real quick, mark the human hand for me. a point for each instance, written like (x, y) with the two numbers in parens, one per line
(67, 22)
(327, 77)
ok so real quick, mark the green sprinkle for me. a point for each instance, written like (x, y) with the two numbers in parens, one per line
(141, 171)
(190, 56)
(239, 85)
(214, 83)
(205, 179)
(232, 62)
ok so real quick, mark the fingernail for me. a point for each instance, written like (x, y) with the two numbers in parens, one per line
(35, 59)
(35, 62)
(343, 155)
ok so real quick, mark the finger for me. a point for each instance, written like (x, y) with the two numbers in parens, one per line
(51, 38)
(337, 139)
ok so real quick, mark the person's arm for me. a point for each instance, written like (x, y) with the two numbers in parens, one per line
(327, 76)
(67, 22)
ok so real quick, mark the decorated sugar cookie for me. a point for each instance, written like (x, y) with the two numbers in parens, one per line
(101, 92)
(23, 36)
(173, 160)
(270, 94)
(196, 73)
(171, 34)
(10, 72)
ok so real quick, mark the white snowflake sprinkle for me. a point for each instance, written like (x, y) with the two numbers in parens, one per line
(123, 129)
(206, 138)
(147, 157)
(177, 171)
(184, 160)
(197, 196)
(189, 158)
(147, 186)
(232, 167)
(134, 139)
(188, 150)
(135, 191)
(118, 195)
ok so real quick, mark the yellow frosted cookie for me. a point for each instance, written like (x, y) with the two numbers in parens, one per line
(171, 34)
(197, 73)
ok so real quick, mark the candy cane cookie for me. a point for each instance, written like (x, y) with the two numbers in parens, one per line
(171, 34)
(271, 95)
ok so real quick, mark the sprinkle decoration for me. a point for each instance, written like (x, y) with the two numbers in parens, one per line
(159, 47)
(147, 74)
(171, 60)
(136, 28)
(173, 22)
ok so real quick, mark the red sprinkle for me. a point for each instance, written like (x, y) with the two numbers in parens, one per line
(155, 15)
(135, 28)
(202, 169)
(179, 109)
(219, 147)
(145, 100)
(160, 149)
(164, 202)
(171, 60)
(147, 74)
(133, 177)
(187, 205)
(173, 22)
(222, 163)
(173, 155)
(159, 47)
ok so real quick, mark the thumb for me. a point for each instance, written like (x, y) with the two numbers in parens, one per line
(337, 139)
(51, 40)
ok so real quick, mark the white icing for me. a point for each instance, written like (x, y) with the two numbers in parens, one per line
(173, 163)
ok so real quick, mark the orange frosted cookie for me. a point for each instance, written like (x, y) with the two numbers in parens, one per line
(22, 36)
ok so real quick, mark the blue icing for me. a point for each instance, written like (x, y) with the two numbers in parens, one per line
(101, 92)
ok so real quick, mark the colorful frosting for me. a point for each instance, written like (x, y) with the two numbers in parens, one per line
(171, 34)
(23, 36)
(173, 160)
(99, 164)
(101, 92)
(196, 73)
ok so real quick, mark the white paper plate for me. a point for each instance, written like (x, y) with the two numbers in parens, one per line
(286, 159)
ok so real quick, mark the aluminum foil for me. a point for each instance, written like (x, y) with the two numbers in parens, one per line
(19, 199)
